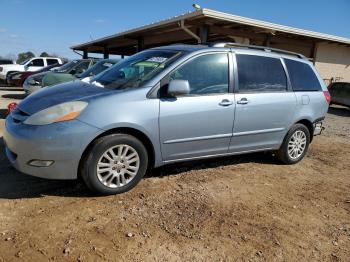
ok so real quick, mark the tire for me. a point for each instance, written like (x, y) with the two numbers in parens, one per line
(107, 179)
(295, 135)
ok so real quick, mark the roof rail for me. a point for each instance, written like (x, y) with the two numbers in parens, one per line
(256, 47)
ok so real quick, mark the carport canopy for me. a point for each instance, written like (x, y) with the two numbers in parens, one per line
(206, 25)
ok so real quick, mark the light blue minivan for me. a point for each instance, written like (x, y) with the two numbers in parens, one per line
(169, 104)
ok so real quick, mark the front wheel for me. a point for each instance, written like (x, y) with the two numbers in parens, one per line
(295, 144)
(114, 164)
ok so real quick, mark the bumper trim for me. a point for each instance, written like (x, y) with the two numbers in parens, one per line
(318, 128)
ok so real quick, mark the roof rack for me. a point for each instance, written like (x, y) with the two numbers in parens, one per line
(256, 47)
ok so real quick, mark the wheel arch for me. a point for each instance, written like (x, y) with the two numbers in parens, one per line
(124, 130)
(309, 125)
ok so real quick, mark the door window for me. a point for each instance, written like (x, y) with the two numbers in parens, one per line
(260, 74)
(302, 76)
(37, 62)
(52, 61)
(206, 74)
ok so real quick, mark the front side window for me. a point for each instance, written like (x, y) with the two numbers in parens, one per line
(136, 70)
(260, 74)
(302, 77)
(37, 62)
(206, 74)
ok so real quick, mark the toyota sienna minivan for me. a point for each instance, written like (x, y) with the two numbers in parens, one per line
(169, 104)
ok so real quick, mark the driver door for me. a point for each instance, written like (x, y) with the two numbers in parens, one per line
(199, 123)
(35, 64)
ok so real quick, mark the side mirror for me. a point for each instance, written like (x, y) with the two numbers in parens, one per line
(178, 87)
(73, 71)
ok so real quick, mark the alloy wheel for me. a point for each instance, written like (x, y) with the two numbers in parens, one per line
(297, 144)
(117, 166)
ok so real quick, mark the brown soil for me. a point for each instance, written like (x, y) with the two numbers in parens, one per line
(241, 208)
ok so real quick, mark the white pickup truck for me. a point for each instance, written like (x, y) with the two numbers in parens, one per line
(33, 64)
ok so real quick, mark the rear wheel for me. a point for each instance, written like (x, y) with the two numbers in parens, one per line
(295, 145)
(114, 164)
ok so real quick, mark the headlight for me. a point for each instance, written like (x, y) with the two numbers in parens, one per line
(58, 113)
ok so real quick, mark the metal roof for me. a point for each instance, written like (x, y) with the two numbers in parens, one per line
(204, 16)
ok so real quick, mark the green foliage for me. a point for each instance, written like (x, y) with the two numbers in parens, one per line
(24, 56)
(44, 54)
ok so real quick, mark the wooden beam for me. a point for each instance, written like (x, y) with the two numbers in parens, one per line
(105, 53)
(140, 44)
(85, 54)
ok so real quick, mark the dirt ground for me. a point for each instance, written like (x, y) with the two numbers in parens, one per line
(241, 208)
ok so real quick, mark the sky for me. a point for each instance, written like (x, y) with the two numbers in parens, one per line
(53, 26)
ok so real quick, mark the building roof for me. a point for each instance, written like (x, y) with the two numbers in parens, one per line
(222, 26)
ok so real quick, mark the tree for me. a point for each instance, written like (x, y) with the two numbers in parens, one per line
(24, 56)
(44, 54)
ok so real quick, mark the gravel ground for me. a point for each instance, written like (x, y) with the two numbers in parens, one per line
(241, 208)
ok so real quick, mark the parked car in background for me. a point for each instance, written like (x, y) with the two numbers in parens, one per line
(99, 67)
(18, 78)
(6, 62)
(33, 64)
(54, 78)
(340, 93)
(74, 67)
(166, 105)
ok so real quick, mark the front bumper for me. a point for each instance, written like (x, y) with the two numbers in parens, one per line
(28, 89)
(14, 82)
(63, 143)
(2, 76)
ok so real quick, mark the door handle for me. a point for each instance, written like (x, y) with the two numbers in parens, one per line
(225, 102)
(243, 101)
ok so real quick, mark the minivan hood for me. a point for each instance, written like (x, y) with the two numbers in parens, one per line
(71, 91)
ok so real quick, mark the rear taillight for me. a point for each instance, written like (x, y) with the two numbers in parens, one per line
(327, 95)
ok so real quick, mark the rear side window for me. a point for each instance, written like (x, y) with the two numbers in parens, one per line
(260, 74)
(52, 61)
(302, 76)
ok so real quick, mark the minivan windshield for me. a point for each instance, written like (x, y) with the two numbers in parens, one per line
(137, 69)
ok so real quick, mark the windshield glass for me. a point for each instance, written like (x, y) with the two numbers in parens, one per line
(137, 69)
(97, 68)
(24, 62)
(67, 66)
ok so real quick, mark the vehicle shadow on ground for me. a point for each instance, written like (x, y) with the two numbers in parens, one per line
(14, 96)
(3, 113)
(11, 89)
(15, 185)
(339, 111)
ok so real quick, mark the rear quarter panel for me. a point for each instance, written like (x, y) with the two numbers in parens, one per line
(310, 106)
